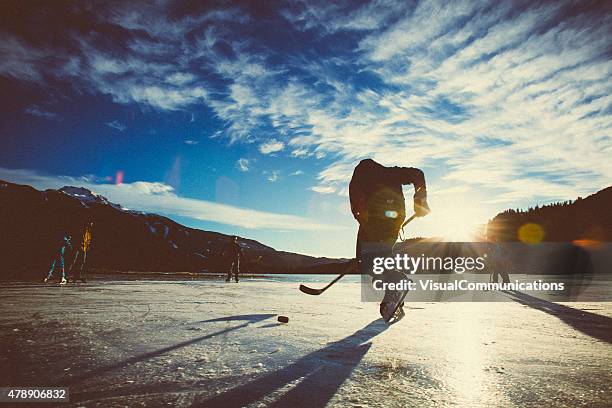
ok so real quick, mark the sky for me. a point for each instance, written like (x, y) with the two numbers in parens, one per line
(248, 117)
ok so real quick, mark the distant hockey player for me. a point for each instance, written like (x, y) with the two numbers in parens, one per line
(377, 203)
(59, 259)
(234, 253)
(501, 264)
(83, 250)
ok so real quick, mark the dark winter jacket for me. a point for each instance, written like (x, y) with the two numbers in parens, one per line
(375, 191)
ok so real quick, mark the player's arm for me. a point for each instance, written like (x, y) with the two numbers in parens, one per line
(416, 177)
(358, 202)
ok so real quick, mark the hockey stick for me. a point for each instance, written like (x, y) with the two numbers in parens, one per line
(317, 292)
(412, 217)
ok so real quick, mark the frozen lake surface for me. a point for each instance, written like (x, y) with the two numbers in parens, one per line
(207, 343)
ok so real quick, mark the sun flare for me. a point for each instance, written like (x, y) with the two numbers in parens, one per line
(457, 217)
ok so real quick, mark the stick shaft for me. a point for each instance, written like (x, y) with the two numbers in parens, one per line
(316, 292)
(412, 217)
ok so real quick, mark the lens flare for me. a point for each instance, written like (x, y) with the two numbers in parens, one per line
(588, 243)
(391, 214)
(119, 177)
(531, 233)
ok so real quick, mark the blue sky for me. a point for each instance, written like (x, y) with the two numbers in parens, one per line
(248, 117)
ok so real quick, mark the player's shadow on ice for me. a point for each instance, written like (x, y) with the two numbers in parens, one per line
(315, 377)
(270, 325)
(591, 324)
(251, 318)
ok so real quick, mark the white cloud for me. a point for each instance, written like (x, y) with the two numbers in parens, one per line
(103, 65)
(271, 146)
(115, 124)
(191, 142)
(509, 99)
(160, 198)
(301, 152)
(149, 188)
(323, 189)
(243, 164)
(329, 17)
(138, 77)
(162, 97)
(36, 110)
(180, 78)
(485, 96)
(272, 176)
(296, 173)
(429, 20)
(20, 60)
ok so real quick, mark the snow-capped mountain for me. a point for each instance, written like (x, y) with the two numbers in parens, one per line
(86, 196)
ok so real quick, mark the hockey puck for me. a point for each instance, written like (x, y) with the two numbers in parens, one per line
(283, 319)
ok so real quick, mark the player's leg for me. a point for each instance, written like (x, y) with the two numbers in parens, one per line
(392, 303)
(62, 266)
(375, 239)
(229, 272)
(366, 249)
(82, 270)
(359, 250)
(50, 274)
(495, 274)
(237, 263)
(505, 272)
(369, 247)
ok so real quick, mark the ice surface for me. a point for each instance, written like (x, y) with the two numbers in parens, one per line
(215, 344)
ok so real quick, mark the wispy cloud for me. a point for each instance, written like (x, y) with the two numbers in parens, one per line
(138, 77)
(271, 146)
(36, 110)
(509, 98)
(243, 164)
(161, 198)
(513, 102)
(180, 78)
(20, 60)
(191, 142)
(300, 152)
(323, 189)
(272, 176)
(115, 124)
(331, 17)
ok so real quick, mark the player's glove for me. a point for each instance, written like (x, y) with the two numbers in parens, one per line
(421, 208)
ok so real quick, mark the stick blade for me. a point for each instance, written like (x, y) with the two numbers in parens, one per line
(310, 291)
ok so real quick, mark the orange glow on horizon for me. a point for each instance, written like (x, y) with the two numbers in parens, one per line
(587, 243)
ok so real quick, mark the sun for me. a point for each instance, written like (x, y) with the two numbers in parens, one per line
(457, 217)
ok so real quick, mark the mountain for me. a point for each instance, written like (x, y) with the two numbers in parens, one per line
(86, 196)
(32, 224)
(587, 218)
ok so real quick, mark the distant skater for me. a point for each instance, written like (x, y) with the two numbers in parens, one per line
(82, 250)
(234, 253)
(58, 260)
(501, 265)
(378, 205)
